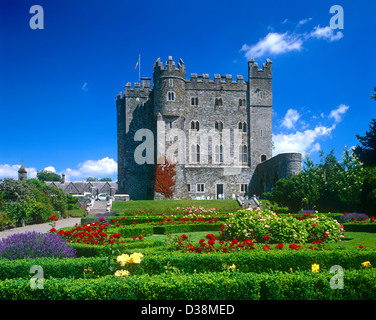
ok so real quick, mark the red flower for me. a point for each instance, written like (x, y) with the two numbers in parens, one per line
(294, 246)
(234, 242)
(134, 238)
(211, 242)
(372, 219)
(279, 246)
(134, 222)
(326, 235)
(361, 247)
(52, 230)
(266, 248)
(122, 218)
(140, 237)
(184, 236)
(266, 237)
(101, 219)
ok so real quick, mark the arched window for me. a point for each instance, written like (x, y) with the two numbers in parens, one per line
(243, 154)
(242, 126)
(194, 101)
(218, 154)
(195, 125)
(242, 103)
(218, 102)
(170, 96)
(263, 158)
(218, 126)
(195, 153)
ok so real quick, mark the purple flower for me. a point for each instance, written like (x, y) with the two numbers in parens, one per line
(352, 216)
(34, 245)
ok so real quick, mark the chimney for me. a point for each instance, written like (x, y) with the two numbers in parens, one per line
(63, 178)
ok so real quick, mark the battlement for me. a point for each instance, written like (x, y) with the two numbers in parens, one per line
(254, 70)
(218, 78)
(139, 89)
(169, 69)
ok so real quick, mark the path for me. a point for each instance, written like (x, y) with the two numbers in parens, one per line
(98, 207)
(44, 227)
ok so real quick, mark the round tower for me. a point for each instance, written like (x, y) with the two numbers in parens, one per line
(169, 88)
(22, 173)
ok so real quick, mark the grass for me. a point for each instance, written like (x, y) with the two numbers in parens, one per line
(173, 204)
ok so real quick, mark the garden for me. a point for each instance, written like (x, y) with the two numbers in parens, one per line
(204, 250)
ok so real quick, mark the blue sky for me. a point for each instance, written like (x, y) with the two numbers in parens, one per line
(58, 85)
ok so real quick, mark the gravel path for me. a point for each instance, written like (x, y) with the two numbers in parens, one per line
(44, 227)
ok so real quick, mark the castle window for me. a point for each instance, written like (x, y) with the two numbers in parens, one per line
(242, 126)
(263, 158)
(195, 125)
(200, 187)
(170, 96)
(243, 187)
(218, 102)
(194, 101)
(195, 153)
(218, 154)
(218, 126)
(171, 83)
(243, 153)
(242, 103)
(260, 94)
(189, 187)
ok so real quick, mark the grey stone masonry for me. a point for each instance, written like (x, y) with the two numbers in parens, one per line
(218, 130)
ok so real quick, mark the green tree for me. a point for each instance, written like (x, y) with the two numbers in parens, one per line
(105, 179)
(366, 150)
(45, 175)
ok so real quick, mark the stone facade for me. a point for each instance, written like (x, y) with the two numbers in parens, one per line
(217, 131)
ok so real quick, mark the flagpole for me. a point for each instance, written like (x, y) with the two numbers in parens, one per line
(139, 68)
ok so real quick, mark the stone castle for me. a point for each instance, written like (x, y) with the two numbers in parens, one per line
(217, 131)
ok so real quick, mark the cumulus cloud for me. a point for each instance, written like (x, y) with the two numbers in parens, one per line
(93, 168)
(305, 140)
(326, 33)
(273, 43)
(11, 171)
(50, 168)
(301, 141)
(338, 113)
(291, 117)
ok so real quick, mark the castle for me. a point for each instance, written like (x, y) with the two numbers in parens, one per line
(217, 131)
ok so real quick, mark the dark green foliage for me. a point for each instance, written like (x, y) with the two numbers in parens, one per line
(45, 175)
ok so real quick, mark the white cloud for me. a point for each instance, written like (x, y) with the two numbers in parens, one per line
(273, 43)
(301, 141)
(304, 21)
(93, 168)
(326, 33)
(50, 168)
(337, 113)
(291, 117)
(84, 87)
(11, 171)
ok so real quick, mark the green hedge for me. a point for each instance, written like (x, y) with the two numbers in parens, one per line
(358, 284)
(352, 227)
(154, 262)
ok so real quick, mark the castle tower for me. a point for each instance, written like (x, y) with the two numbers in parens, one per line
(169, 89)
(22, 173)
(260, 111)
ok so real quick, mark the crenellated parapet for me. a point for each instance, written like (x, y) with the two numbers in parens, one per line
(170, 69)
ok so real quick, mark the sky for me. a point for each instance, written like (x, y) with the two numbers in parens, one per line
(60, 73)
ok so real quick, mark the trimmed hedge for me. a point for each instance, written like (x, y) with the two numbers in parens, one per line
(358, 284)
(256, 262)
(352, 227)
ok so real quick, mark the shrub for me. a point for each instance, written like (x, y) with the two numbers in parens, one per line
(354, 216)
(35, 245)
(257, 225)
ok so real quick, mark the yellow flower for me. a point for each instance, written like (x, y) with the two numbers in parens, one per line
(290, 270)
(123, 259)
(315, 268)
(121, 273)
(135, 257)
(233, 267)
(366, 264)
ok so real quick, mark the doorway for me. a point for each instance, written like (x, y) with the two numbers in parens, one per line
(219, 192)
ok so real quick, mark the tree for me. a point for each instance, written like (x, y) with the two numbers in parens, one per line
(366, 152)
(105, 179)
(165, 178)
(45, 175)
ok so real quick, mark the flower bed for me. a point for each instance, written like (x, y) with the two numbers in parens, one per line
(266, 225)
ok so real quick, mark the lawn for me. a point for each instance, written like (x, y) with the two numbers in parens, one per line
(173, 204)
